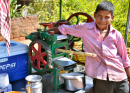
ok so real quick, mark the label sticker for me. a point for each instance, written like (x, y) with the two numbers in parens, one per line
(5, 67)
(3, 60)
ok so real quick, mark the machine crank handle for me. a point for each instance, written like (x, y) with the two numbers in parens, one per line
(79, 53)
(24, 32)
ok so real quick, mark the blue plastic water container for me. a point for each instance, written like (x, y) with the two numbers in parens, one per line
(16, 65)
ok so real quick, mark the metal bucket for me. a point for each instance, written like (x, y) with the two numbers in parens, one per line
(74, 81)
(34, 84)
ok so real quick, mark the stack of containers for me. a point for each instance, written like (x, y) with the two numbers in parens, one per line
(4, 83)
(16, 65)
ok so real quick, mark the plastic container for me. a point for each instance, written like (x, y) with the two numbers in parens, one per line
(14, 92)
(6, 89)
(4, 80)
(16, 65)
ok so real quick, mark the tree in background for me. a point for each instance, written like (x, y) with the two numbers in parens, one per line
(48, 11)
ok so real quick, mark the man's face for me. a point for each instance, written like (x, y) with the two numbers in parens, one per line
(103, 19)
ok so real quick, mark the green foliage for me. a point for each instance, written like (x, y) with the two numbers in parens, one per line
(14, 9)
(121, 11)
(49, 11)
(44, 9)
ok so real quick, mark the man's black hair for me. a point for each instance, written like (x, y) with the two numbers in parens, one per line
(106, 6)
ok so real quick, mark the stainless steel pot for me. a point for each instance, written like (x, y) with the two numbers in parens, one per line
(74, 81)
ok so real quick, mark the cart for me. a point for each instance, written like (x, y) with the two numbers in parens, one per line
(43, 55)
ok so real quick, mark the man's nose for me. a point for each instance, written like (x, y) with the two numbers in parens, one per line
(103, 19)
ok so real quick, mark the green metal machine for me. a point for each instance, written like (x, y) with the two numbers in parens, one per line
(42, 53)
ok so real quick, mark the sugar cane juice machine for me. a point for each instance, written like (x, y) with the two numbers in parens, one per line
(49, 51)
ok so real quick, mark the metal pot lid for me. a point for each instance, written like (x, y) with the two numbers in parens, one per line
(33, 78)
(72, 75)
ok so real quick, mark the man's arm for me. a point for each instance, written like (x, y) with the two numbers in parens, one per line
(122, 51)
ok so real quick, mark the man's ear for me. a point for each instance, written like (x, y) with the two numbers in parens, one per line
(94, 14)
(112, 18)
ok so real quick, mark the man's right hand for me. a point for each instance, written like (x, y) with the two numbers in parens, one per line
(55, 29)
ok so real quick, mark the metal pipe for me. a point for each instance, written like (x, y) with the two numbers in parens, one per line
(127, 26)
(60, 9)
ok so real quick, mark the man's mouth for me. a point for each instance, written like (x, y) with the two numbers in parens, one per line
(101, 24)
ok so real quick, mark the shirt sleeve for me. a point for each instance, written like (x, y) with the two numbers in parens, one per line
(122, 51)
(74, 30)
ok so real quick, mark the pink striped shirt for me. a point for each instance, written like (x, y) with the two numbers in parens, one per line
(111, 52)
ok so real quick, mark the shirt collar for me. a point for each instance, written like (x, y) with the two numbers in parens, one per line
(93, 25)
(112, 28)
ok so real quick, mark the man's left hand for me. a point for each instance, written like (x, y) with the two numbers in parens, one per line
(128, 72)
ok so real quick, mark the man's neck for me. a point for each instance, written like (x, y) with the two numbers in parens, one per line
(104, 29)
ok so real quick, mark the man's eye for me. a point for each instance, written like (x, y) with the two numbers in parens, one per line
(99, 16)
(107, 17)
